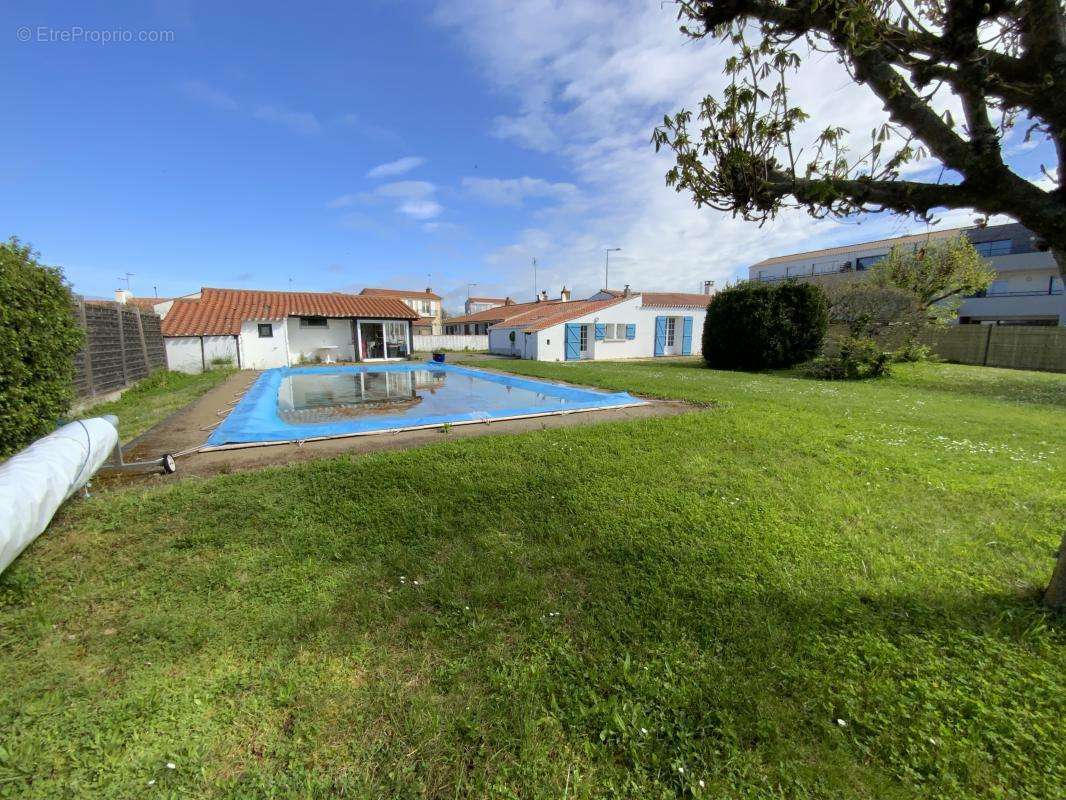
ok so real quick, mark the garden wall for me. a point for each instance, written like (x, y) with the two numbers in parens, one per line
(1013, 346)
(451, 342)
(122, 345)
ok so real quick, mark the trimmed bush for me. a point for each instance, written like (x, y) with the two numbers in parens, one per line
(38, 339)
(762, 326)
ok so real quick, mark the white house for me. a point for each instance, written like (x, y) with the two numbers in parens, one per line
(609, 325)
(261, 330)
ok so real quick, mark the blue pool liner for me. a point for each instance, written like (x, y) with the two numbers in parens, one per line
(255, 418)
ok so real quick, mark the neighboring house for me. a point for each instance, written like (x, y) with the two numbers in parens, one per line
(476, 304)
(478, 322)
(426, 303)
(1027, 289)
(618, 325)
(260, 330)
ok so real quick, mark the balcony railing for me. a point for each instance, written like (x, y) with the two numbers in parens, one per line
(1053, 290)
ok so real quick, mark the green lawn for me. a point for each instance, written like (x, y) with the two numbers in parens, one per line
(155, 398)
(803, 590)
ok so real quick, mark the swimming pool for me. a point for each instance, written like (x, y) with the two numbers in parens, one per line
(300, 403)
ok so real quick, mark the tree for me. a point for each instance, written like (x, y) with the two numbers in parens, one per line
(38, 339)
(996, 60)
(936, 271)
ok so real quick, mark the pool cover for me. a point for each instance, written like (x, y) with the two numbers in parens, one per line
(292, 404)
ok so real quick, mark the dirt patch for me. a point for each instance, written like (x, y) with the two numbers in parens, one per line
(189, 428)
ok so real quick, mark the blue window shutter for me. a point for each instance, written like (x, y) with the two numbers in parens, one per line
(573, 342)
(601, 331)
(631, 331)
(660, 335)
(686, 337)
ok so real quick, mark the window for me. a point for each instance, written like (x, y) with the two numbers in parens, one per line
(616, 331)
(424, 307)
(671, 325)
(998, 247)
(314, 322)
(868, 261)
(266, 331)
(584, 338)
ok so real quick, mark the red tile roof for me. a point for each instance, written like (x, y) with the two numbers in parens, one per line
(499, 313)
(220, 312)
(427, 294)
(147, 303)
(675, 299)
(537, 319)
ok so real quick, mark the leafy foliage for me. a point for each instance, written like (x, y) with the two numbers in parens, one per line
(760, 326)
(1000, 61)
(38, 339)
(856, 357)
(936, 272)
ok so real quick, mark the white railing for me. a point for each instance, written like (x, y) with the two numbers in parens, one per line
(451, 342)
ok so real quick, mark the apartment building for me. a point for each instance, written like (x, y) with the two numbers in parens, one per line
(1027, 289)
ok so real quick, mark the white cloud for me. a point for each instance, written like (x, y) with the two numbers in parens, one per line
(208, 95)
(514, 191)
(420, 209)
(299, 121)
(343, 201)
(589, 80)
(398, 167)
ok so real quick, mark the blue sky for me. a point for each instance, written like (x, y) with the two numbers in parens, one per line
(339, 145)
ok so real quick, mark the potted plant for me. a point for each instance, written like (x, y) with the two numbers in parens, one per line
(438, 356)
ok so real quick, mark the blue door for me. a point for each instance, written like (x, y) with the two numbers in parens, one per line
(660, 335)
(573, 342)
(686, 337)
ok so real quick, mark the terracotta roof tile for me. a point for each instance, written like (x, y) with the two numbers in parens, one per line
(501, 313)
(537, 319)
(427, 294)
(220, 312)
(675, 299)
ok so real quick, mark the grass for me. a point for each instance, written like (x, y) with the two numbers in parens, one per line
(155, 398)
(804, 590)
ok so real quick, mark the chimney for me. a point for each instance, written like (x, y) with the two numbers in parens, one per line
(708, 287)
(508, 301)
(429, 290)
(122, 295)
(625, 291)
(564, 295)
(543, 295)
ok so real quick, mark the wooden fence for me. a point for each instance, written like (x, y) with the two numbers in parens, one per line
(122, 345)
(1014, 346)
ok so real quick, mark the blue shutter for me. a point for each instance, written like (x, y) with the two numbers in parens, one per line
(686, 338)
(601, 331)
(660, 335)
(631, 331)
(573, 342)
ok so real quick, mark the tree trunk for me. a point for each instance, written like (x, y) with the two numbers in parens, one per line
(1055, 594)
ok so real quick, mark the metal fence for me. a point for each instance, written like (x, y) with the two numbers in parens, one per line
(1014, 346)
(122, 345)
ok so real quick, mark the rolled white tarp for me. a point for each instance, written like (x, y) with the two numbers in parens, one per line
(35, 482)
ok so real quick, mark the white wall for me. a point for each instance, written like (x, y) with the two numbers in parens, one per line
(550, 343)
(451, 342)
(264, 353)
(220, 347)
(183, 353)
(304, 341)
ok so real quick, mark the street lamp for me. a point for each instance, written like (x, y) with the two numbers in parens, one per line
(607, 263)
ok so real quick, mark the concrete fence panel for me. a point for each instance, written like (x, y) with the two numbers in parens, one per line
(122, 345)
(451, 342)
(1011, 346)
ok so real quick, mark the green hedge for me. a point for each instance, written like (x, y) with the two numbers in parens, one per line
(761, 326)
(38, 339)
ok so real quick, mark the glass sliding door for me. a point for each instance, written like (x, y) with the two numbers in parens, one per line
(380, 340)
(372, 337)
(396, 339)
